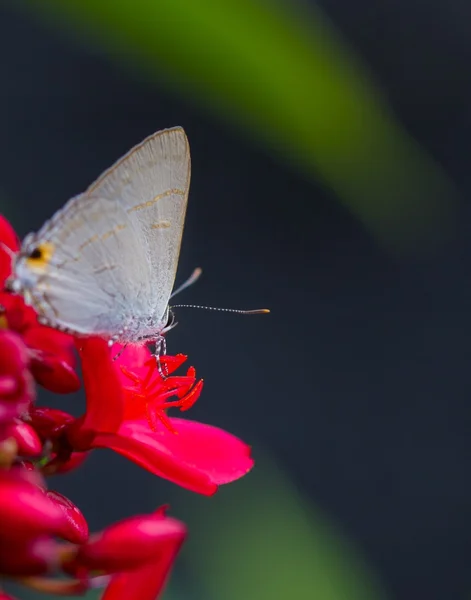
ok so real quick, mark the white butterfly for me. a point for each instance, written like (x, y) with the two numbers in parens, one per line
(105, 263)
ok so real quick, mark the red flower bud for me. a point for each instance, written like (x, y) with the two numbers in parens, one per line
(16, 384)
(74, 528)
(130, 543)
(38, 556)
(24, 435)
(52, 359)
(49, 423)
(25, 510)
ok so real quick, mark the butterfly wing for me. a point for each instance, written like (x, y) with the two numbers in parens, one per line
(112, 252)
(151, 183)
(92, 275)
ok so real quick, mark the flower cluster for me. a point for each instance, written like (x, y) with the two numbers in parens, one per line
(42, 533)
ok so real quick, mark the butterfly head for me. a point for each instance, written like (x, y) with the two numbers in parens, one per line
(29, 265)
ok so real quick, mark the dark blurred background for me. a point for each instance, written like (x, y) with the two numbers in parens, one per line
(330, 150)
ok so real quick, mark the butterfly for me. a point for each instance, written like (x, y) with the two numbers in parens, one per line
(105, 263)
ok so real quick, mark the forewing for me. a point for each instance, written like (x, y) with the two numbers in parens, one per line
(97, 276)
(151, 184)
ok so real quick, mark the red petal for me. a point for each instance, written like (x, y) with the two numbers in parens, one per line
(53, 359)
(132, 357)
(130, 543)
(25, 436)
(148, 581)
(198, 457)
(49, 423)
(25, 511)
(105, 403)
(11, 410)
(75, 527)
(25, 471)
(51, 341)
(13, 354)
(18, 316)
(13, 365)
(145, 583)
(55, 375)
(221, 455)
(154, 457)
(10, 239)
(35, 558)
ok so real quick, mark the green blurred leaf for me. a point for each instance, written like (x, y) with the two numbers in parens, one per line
(24, 593)
(257, 539)
(280, 70)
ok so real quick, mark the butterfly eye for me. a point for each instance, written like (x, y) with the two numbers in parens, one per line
(36, 254)
(40, 256)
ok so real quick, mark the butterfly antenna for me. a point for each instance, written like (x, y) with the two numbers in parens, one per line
(256, 311)
(193, 278)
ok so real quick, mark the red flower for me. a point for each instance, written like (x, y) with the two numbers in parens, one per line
(30, 519)
(74, 527)
(27, 440)
(42, 533)
(138, 552)
(131, 558)
(16, 384)
(10, 240)
(127, 400)
(50, 351)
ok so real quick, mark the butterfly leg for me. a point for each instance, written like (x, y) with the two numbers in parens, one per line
(161, 350)
(116, 356)
(114, 339)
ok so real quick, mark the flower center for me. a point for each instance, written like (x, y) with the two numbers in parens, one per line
(150, 395)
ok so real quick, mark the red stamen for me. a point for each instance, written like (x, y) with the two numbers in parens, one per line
(156, 391)
(192, 396)
(133, 392)
(150, 372)
(130, 375)
(161, 416)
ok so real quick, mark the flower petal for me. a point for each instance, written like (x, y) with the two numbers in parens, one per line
(75, 527)
(130, 543)
(198, 457)
(10, 239)
(55, 375)
(18, 559)
(53, 359)
(25, 436)
(147, 581)
(16, 385)
(26, 511)
(17, 315)
(49, 423)
(155, 458)
(132, 357)
(223, 456)
(105, 403)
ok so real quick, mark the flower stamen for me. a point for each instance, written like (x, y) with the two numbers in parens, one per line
(154, 391)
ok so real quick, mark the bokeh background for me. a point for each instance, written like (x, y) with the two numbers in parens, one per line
(330, 147)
